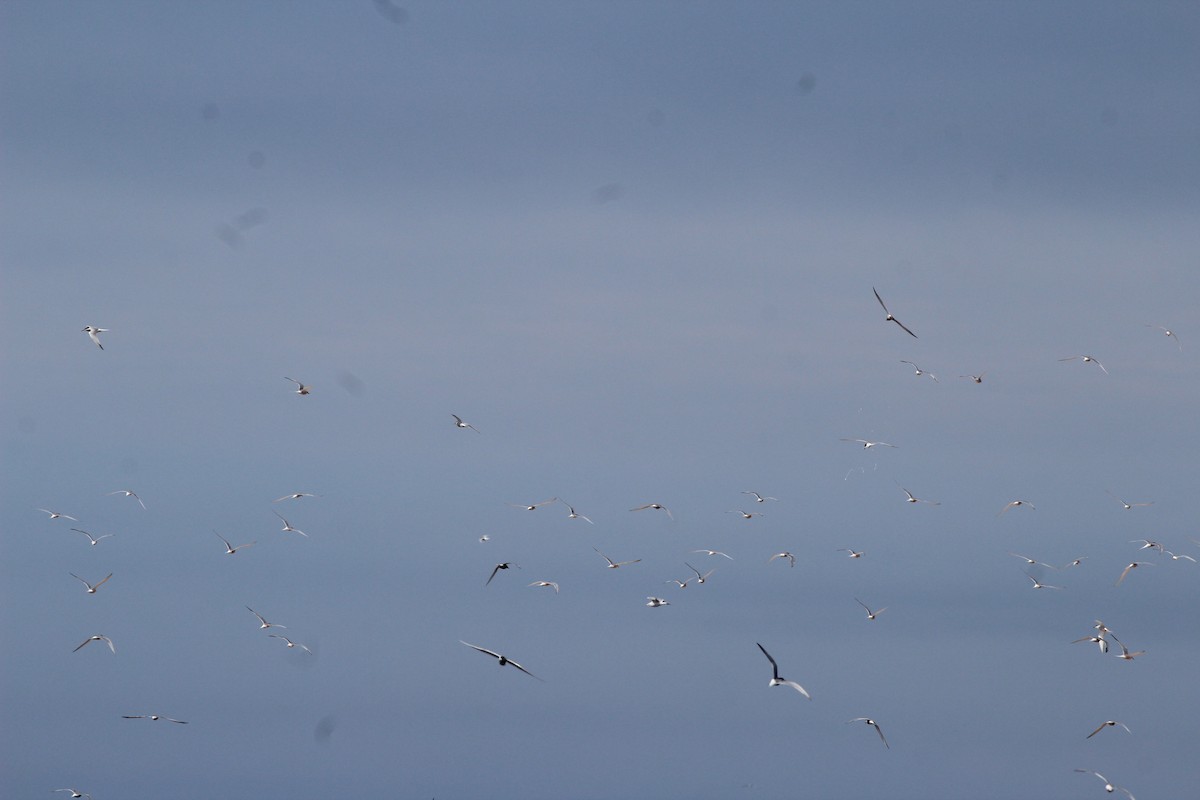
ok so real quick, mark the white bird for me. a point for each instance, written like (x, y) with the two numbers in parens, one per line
(287, 526)
(700, 578)
(294, 496)
(1126, 655)
(977, 378)
(853, 553)
(573, 514)
(1109, 724)
(300, 387)
(230, 549)
(264, 624)
(94, 539)
(1039, 585)
(681, 584)
(500, 658)
(920, 371)
(1149, 544)
(534, 506)
(56, 515)
(868, 444)
(1099, 641)
(758, 498)
(889, 317)
(154, 717)
(778, 681)
(1109, 786)
(1031, 561)
(1177, 556)
(745, 514)
(912, 499)
(551, 584)
(784, 554)
(1086, 360)
(129, 493)
(874, 725)
(97, 638)
(91, 588)
(1132, 566)
(75, 793)
(1167, 332)
(1014, 504)
(714, 553)
(1075, 562)
(655, 602)
(458, 423)
(290, 643)
(1127, 506)
(94, 334)
(498, 567)
(655, 506)
(614, 564)
(485, 538)
(871, 615)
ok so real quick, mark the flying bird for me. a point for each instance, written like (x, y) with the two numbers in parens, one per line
(154, 717)
(535, 506)
(1149, 544)
(714, 553)
(853, 553)
(573, 514)
(655, 506)
(869, 444)
(1127, 506)
(1132, 566)
(94, 539)
(287, 526)
(889, 317)
(784, 554)
(91, 588)
(300, 387)
(912, 499)
(655, 602)
(919, 372)
(1126, 655)
(614, 564)
(500, 658)
(1168, 333)
(94, 334)
(1031, 561)
(458, 423)
(294, 496)
(99, 637)
(230, 549)
(551, 584)
(129, 493)
(977, 378)
(290, 643)
(1109, 724)
(871, 615)
(745, 514)
(758, 498)
(498, 567)
(75, 793)
(1099, 641)
(1086, 360)
(874, 725)
(1038, 584)
(264, 624)
(1109, 786)
(56, 515)
(1014, 504)
(700, 578)
(778, 681)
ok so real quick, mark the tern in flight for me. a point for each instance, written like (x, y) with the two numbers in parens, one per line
(56, 515)
(1127, 506)
(129, 493)
(681, 584)
(778, 681)
(94, 334)
(1149, 544)
(614, 564)
(1038, 584)
(230, 549)
(1126, 655)
(1132, 566)
(498, 567)
(1099, 641)
(75, 793)
(294, 496)
(853, 553)
(155, 717)
(264, 624)
(535, 506)
(551, 584)
(99, 637)
(655, 602)
(1031, 561)
(784, 554)
(912, 499)
(94, 539)
(889, 317)
(1167, 332)
(1014, 504)
(869, 444)
(1177, 556)
(871, 615)
(1086, 360)
(1075, 562)
(287, 526)
(714, 553)
(745, 514)
(458, 423)
(1109, 786)
(656, 507)
(91, 588)
(300, 387)
(919, 372)
(874, 725)
(1109, 724)
(700, 578)
(290, 643)
(977, 378)
(501, 659)
(573, 514)
(758, 498)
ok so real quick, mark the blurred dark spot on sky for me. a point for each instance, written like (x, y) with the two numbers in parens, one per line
(351, 383)
(209, 111)
(607, 193)
(391, 12)
(807, 83)
(324, 728)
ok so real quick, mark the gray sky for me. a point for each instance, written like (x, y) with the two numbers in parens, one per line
(634, 244)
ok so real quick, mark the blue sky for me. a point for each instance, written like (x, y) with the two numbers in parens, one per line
(634, 244)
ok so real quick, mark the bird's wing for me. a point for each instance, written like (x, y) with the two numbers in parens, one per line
(880, 299)
(906, 330)
(774, 666)
(797, 687)
(101, 583)
(1093, 733)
